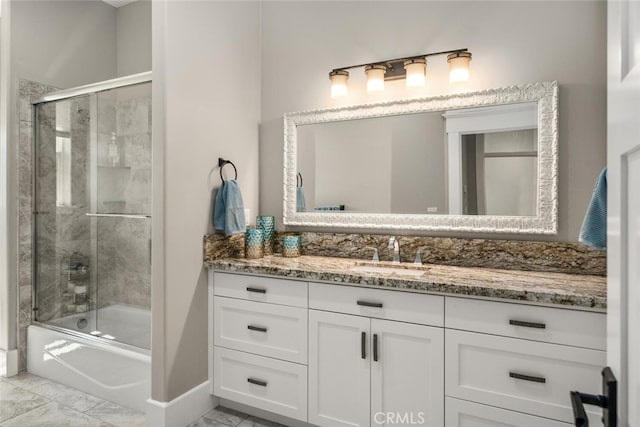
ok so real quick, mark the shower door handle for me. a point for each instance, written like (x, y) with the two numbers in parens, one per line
(130, 216)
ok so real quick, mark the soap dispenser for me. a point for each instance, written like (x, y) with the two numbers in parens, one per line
(114, 151)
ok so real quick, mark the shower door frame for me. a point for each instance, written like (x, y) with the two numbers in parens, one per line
(90, 89)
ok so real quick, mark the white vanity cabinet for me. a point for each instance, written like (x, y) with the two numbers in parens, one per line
(368, 371)
(332, 355)
(259, 334)
(509, 356)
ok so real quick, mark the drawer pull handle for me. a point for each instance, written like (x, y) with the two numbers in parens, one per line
(363, 345)
(256, 290)
(527, 377)
(256, 328)
(527, 324)
(257, 382)
(375, 347)
(370, 304)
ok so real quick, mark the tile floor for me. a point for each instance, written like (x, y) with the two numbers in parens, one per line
(27, 400)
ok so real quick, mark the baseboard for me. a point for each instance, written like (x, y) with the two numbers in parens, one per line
(8, 363)
(182, 410)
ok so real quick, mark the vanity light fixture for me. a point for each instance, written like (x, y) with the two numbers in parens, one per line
(416, 72)
(459, 66)
(412, 68)
(339, 80)
(375, 77)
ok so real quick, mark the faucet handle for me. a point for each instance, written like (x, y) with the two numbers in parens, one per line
(375, 258)
(418, 259)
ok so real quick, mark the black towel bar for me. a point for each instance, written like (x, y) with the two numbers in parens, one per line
(222, 162)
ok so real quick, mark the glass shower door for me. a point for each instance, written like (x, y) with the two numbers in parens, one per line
(62, 237)
(92, 240)
(122, 214)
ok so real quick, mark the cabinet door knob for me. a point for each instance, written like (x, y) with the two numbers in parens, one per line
(256, 328)
(527, 377)
(256, 290)
(257, 382)
(535, 325)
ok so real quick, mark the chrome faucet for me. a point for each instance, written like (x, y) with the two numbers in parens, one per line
(394, 243)
(375, 258)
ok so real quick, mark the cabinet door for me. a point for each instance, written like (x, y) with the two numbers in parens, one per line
(407, 379)
(339, 380)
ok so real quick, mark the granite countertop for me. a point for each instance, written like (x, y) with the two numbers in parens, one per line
(568, 290)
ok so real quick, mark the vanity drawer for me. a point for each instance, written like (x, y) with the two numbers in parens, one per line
(520, 375)
(266, 329)
(261, 382)
(554, 325)
(461, 413)
(379, 303)
(263, 289)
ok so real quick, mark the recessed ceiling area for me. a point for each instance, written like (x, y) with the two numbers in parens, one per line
(118, 3)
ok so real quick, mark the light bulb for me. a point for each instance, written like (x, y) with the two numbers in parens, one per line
(416, 69)
(375, 78)
(339, 80)
(459, 67)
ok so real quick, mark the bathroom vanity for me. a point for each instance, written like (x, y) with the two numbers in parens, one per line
(330, 342)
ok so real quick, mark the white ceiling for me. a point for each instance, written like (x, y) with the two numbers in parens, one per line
(118, 3)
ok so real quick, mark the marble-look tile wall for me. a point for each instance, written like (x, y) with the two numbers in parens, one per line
(558, 257)
(63, 231)
(27, 92)
(124, 245)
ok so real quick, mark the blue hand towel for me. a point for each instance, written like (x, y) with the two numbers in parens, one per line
(228, 211)
(218, 208)
(594, 227)
(301, 204)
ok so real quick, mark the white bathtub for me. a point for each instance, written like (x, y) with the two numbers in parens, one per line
(110, 371)
(125, 324)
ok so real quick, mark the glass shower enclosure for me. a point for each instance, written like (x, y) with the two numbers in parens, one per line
(92, 211)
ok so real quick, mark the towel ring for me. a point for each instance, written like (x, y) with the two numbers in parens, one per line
(299, 179)
(222, 162)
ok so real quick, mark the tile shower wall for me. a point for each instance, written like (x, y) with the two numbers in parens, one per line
(124, 245)
(27, 92)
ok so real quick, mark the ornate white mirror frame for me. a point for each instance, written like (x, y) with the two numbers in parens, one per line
(546, 220)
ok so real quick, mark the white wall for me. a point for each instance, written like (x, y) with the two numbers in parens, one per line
(207, 95)
(63, 43)
(512, 43)
(133, 33)
(8, 289)
(359, 181)
(418, 179)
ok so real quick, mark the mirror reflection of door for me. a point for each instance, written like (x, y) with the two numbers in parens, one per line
(499, 173)
(492, 160)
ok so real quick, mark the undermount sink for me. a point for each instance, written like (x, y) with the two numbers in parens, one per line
(388, 269)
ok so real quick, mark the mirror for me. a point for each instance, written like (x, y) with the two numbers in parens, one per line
(481, 161)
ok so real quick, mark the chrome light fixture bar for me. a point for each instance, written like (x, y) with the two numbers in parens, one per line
(412, 68)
